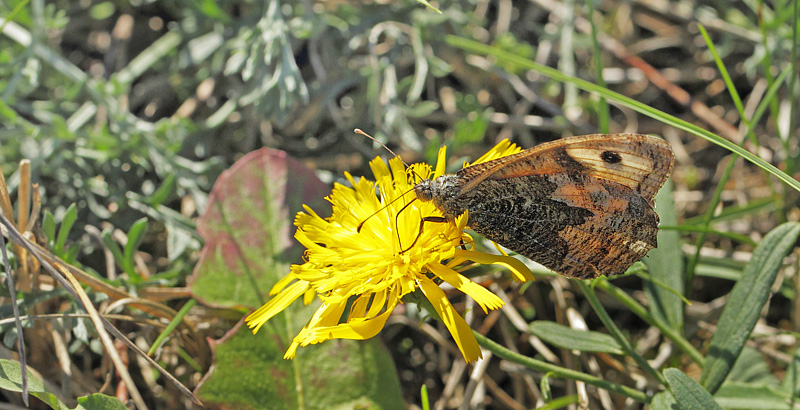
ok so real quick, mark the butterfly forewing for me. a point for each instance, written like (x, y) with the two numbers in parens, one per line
(581, 206)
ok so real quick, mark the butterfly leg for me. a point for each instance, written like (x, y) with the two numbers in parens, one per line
(436, 219)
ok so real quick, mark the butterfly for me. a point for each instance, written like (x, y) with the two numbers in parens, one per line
(581, 206)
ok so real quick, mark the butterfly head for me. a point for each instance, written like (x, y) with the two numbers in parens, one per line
(440, 191)
(424, 190)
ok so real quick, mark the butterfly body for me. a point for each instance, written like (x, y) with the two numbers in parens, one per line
(581, 206)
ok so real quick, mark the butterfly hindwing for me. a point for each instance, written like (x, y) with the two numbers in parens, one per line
(581, 206)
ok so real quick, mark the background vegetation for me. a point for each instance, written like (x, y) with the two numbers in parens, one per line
(128, 112)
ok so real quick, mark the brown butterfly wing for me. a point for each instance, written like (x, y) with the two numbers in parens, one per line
(581, 206)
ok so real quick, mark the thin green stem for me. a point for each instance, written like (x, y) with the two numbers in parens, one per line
(730, 235)
(791, 155)
(639, 310)
(617, 334)
(172, 325)
(709, 215)
(602, 107)
(566, 57)
(558, 371)
(701, 238)
(723, 71)
(766, 62)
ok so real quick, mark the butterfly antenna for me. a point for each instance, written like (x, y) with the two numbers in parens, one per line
(360, 225)
(416, 176)
(358, 131)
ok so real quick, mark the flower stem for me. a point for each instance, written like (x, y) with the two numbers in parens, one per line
(559, 371)
(680, 342)
(612, 328)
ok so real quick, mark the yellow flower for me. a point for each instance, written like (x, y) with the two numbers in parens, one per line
(387, 258)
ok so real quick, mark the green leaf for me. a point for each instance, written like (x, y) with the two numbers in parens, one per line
(470, 130)
(63, 231)
(748, 396)
(544, 386)
(250, 372)
(11, 379)
(664, 401)
(791, 381)
(211, 9)
(422, 109)
(744, 306)
(108, 240)
(688, 393)
(99, 401)
(49, 227)
(135, 236)
(751, 368)
(568, 338)
(6, 111)
(665, 264)
(102, 11)
(561, 402)
(165, 191)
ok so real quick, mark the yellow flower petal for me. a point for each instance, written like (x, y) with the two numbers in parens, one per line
(502, 149)
(440, 162)
(458, 327)
(518, 269)
(486, 299)
(356, 329)
(281, 284)
(257, 319)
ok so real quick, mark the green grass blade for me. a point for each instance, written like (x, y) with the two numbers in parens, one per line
(568, 338)
(63, 231)
(49, 226)
(476, 47)
(636, 308)
(560, 402)
(723, 71)
(162, 337)
(108, 240)
(665, 265)
(153, 54)
(744, 307)
(733, 212)
(429, 6)
(689, 394)
(712, 205)
(603, 112)
(135, 237)
(612, 328)
(18, 8)
(558, 371)
(730, 235)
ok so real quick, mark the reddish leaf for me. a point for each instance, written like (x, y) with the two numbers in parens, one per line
(248, 229)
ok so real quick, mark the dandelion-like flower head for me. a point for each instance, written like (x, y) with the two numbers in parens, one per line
(389, 257)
